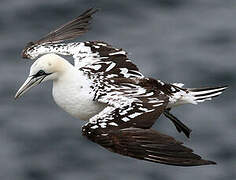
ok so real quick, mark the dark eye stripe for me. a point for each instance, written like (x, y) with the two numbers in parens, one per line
(40, 73)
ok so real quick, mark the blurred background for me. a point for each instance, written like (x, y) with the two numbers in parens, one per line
(188, 41)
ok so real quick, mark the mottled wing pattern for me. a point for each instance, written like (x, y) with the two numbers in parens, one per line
(112, 73)
(133, 101)
(102, 59)
(130, 104)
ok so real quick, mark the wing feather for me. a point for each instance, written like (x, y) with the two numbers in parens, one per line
(68, 31)
(145, 144)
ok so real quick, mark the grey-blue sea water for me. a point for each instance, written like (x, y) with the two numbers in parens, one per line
(188, 41)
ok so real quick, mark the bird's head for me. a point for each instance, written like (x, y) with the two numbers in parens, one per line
(47, 67)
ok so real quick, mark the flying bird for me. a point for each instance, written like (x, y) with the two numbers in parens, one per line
(107, 90)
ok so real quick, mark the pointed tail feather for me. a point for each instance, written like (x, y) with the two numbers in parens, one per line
(203, 94)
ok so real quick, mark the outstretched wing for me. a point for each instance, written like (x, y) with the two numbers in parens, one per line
(145, 144)
(70, 30)
(130, 136)
(92, 57)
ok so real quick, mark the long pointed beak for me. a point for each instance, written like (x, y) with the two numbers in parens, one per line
(28, 84)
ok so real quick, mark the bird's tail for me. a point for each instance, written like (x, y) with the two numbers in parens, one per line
(193, 96)
(204, 94)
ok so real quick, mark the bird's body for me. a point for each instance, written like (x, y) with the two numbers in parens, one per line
(105, 88)
(74, 94)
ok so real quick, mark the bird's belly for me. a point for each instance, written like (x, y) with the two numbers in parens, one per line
(79, 104)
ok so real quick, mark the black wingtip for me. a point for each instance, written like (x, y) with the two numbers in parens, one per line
(71, 29)
(89, 12)
(205, 162)
(212, 163)
(185, 163)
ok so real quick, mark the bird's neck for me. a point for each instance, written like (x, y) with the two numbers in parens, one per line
(71, 78)
(68, 75)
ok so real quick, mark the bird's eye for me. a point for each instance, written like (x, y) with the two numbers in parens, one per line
(40, 73)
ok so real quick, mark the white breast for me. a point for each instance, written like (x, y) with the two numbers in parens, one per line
(74, 95)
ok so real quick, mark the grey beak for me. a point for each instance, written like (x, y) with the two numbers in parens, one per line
(28, 84)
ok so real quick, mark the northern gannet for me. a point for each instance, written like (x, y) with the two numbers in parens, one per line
(106, 89)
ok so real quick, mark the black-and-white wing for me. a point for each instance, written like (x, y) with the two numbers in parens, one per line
(94, 58)
(104, 60)
(124, 125)
(70, 30)
(131, 103)
(91, 57)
